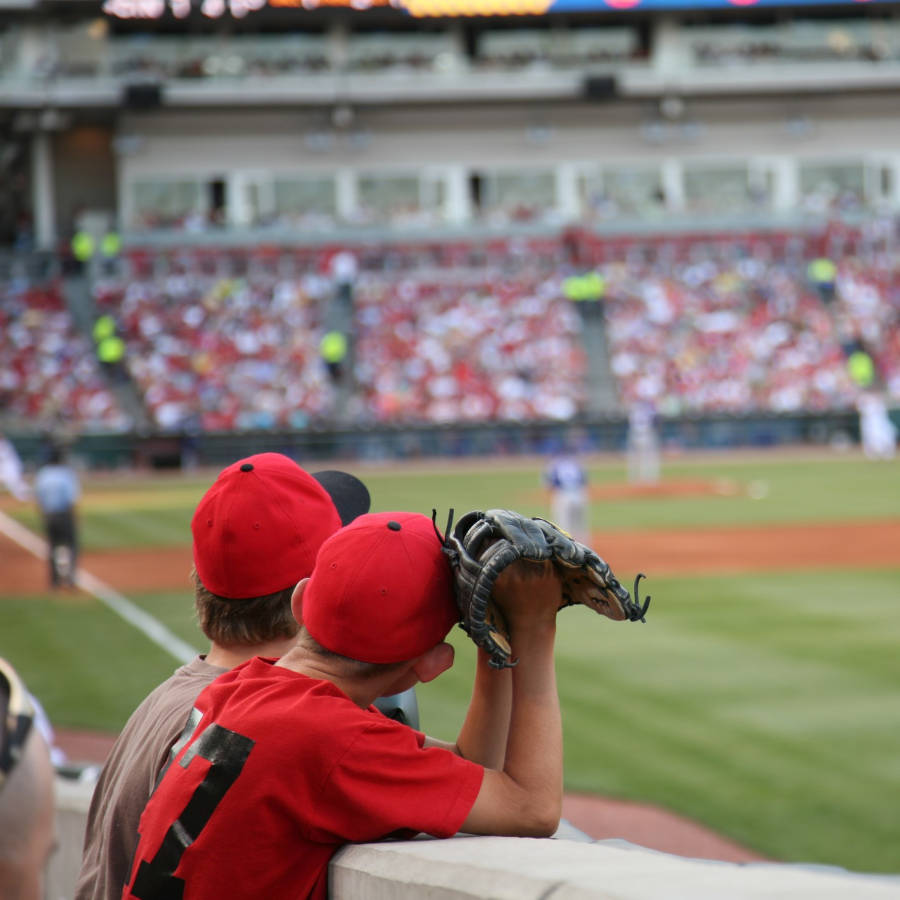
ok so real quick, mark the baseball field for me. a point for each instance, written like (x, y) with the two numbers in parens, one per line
(761, 698)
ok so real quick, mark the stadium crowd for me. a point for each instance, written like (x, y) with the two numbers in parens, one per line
(211, 352)
(460, 333)
(745, 334)
(48, 372)
(468, 346)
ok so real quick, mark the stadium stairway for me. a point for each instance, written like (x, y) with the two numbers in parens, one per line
(602, 398)
(79, 300)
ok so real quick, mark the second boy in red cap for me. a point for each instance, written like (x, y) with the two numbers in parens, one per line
(284, 762)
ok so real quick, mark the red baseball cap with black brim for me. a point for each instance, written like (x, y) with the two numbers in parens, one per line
(381, 591)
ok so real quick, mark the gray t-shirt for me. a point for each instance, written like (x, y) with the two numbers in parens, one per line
(129, 777)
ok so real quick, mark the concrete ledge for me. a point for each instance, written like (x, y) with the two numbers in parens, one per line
(571, 867)
(526, 869)
(73, 798)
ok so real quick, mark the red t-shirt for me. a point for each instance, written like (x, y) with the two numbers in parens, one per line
(280, 772)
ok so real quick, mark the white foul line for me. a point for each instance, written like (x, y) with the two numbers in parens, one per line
(122, 606)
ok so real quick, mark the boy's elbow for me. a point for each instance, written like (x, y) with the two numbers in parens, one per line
(542, 820)
(507, 807)
(549, 825)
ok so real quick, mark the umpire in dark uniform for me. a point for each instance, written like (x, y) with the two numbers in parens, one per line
(57, 490)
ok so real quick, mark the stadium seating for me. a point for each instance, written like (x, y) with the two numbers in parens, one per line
(464, 331)
(49, 375)
(216, 352)
(470, 345)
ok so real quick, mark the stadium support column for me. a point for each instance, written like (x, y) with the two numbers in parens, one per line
(785, 192)
(568, 200)
(671, 52)
(893, 167)
(457, 203)
(346, 199)
(673, 184)
(240, 211)
(42, 197)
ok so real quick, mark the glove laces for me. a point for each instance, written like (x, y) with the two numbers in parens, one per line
(443, 538)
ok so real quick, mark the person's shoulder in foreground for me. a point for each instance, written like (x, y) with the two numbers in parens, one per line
(27, 830)
(256, 533)
(297, 747)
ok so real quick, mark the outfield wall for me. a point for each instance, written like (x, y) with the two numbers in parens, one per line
(594, 435)
(568, 868)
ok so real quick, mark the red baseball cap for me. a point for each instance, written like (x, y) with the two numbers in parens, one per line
(258, 529)
(381, 591)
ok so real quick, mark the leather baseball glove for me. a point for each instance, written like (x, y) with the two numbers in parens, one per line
(483, 544)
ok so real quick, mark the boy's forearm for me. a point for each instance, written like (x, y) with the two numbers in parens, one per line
(534, 752)
(483, 735)
(525, 797)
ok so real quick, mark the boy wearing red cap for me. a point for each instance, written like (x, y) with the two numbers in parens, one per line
(256, 532)
(284, 762)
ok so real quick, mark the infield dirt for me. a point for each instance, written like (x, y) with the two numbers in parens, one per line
(655, 552)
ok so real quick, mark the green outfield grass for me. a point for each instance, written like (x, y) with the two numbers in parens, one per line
(156, 512)
(767, 707)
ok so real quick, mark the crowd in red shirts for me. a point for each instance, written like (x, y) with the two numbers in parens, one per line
(218, 353)
(462, 333)
(49, 375)
(743, 332)
(468, 345)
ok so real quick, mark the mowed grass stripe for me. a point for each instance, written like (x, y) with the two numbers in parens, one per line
(122, 529)
(708, 723)
(753, 789)
(746, 782)
(175, 609)
(743, 731)
(755, 726)
(108, 529)
(87, 666)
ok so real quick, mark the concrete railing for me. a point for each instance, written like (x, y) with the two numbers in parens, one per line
(528, 869)
(569, 868)
(72, 801)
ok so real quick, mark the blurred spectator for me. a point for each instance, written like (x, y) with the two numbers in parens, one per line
(104, 327)
(861, 368)
(83, 247)
(27, 830)
(11, 473)
(822, 273)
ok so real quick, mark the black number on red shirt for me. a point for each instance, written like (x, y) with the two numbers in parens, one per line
(227, 751)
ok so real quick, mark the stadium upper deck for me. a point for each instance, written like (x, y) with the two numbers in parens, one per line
(307, 121)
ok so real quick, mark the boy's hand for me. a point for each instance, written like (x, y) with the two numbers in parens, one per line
(528, 593)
